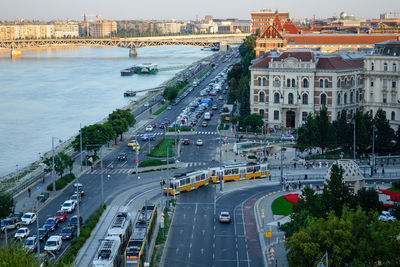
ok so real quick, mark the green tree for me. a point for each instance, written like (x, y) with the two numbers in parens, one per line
(244, 90)
(123, 114)
(96, 134)
(253, 120)
(308, 134)
(385, 134)
(368, 199)
(14, 255)
(120, 126)
(343, 136)
(326, 137)
(397, 139)
(6, 204)
(235, 72)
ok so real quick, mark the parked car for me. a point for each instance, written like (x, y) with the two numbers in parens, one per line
(199, 142)
(154, 125)
(186, 141)
(386, 217)
(51, 224)
(68, 206)
(148, 137)
(10, 223)
(122, 157)
(73, 222)
(67, 232)
(169, 107)
(42, 197)
(149, 128)
(53, 244)
(28, 218)
(224, 217)
(22, 232)
(61, 215)
(30, 244)
(146, 105)
(43, 234)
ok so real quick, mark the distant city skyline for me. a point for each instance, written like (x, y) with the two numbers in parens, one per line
(47, 10)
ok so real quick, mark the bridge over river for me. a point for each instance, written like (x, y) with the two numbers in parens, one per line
(203, 40)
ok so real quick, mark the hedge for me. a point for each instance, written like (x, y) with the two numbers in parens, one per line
(62, 182)
(154, 162)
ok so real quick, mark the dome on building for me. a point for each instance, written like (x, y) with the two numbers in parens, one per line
(343, 15)
(351, 173)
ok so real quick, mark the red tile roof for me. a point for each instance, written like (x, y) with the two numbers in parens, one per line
(326, 39)
(339, 63)
(290, 28)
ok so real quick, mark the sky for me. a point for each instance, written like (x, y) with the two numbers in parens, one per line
(47, 10)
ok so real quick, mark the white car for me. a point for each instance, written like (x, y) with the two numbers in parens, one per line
(149, 128)
(28, 218)
(287, 138)
(22, 232)
(199, 142)
(386, 217)
(30, 244)
(68, 206)
(53, 244)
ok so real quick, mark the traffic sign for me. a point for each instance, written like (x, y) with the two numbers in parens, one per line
(38, 188)
(136, 161)
(220, 142)
(268, 234)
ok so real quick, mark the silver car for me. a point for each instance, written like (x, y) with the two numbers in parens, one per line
(224, 217)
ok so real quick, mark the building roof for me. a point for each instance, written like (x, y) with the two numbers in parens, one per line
(338, 63)
(289, 27)
(338, 39)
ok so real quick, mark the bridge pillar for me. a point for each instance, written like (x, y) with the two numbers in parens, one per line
(223, 46)
(15, 53)
(132, 52)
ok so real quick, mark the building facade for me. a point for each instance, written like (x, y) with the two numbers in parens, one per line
(261, 19)
(26, 31)
(382, 81)
(287, 86)
(66, 29)
(102, 28)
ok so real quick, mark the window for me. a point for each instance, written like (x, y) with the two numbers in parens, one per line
(276, 82)
(290, 99)
(288, 82)
(261, 97)
(385, 66)
(385, 84)
(321, 83)
(357, 96)
(345, 98)
(305, 83)
(372, 65)
(276, 115)
(339, 83)
(393, 116)
(394, 67)
(293, 83)
(351, 81)
(345, 82)
(338, 98)
(372, 83)
(305, 99)
(326, 83)
(276, 98)
(394, 84)
(304, 116)
(358, 80)
(262, 113)
(264, 81)
(384, 98)
(323, 99)
(259, 81)
(338, 115)
(351, 97)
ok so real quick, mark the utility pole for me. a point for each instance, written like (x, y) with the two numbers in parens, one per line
(137, 153)
(52, 164)
(373, 148)
(101, 182)
(37, 228)
(354, 142)
(80, 143)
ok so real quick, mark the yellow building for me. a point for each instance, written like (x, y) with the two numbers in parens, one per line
(102, 28)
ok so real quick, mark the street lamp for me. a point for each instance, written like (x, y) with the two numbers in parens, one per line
(354, 138)
(52, 161)
(101, 172)
(373, 148)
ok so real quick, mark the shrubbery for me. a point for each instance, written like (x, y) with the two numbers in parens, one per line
(154, 162)
(62, 182)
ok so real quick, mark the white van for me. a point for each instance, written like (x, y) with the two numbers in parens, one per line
(53, 244)
(207, 116)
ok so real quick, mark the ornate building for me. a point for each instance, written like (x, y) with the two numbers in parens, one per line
(286, 86)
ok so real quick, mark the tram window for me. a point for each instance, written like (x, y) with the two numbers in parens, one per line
(187, 180)
(262, 168)
(235, 171)
(197, 178)
(227, 171)
(213, 173)
(203, 176)
(181, 182)
(249, 169)
(256, 168)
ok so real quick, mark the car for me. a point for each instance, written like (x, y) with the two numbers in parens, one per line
(122, 157)
(61, 215)
(287, 138)
(186, 142)
(73, 222)
(169, 107)
(386, 217)
(28, 218)
(162, 125)
(22, 232)
(43, 234)
(146, 105)
(30, 244)
(224, 217)
(221, 97)
(68, 206)
(76, 198)
(204, 124)
(149, 128)
(53, 244)
(78, 189)
(132, 143)
(51, 224)
(154, 125)
(224, 92)
(10, 223)
(199, 142)
(136, 147)
(67, 232)
(148, 137)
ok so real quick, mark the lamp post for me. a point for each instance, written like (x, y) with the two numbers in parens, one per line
(373, 148)
(37, 228)
(101, 172)
(52, 162)
(354, 139)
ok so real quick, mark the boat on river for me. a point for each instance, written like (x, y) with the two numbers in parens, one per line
(144, 68)
(129, 93)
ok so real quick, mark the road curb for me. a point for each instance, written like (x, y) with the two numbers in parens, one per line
(167, 240)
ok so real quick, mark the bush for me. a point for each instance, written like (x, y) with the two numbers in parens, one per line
(154, 162)
(396, 184)
(62, 182)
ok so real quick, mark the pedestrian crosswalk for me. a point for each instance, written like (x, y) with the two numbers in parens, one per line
(181, 133)
(194, 164)
(108, 171)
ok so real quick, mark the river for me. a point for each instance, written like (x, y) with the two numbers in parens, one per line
(50, 92)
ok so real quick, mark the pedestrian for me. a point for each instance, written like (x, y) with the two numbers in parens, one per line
(91, 168)
(299, 184)
(29, 192)
(43, 179)
(383, 171)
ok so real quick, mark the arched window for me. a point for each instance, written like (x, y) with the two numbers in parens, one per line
(321, 83)
(276, 115)
(259, 81)
(394, 67)
(358, 80)
(288, 82)
(305, 83)
(339, 83)
(338, 98)
(351, 97)
(351, 81)
(326, 83)
(385, 66)
(290, 98)
(372, 65)
(262, 113)
(357, 96)
(393, 116)
(345, 82)
(293, 83)
(261, 97)
(338, 115)
(323, 99)
(276, 82)
(305, 99)
(276, 98)
(264, 81)
(345, 98)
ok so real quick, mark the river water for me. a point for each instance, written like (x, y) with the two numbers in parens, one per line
(50, 92)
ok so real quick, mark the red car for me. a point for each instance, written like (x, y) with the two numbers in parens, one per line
(61, 215)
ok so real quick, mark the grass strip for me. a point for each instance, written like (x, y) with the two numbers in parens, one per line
(281, 206)
(161, 110)
(160, 150)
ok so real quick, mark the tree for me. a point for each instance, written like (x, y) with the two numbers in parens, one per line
(6, 204)
(123, 114)
(326, 137)
(235, 72)
(120, 126)
(308, 134)
(385, 134)
(244, 90)
(93, 136)
(368, 199)
(253, 120)
(15, 255)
